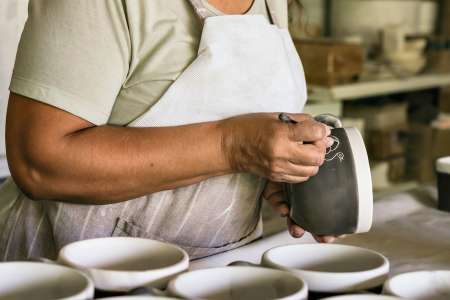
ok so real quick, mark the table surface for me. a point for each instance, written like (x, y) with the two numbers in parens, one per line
(407, 229)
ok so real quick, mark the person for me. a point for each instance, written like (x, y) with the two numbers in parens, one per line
(86, 70)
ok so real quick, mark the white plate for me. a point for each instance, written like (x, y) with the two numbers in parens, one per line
(124, 263)
(429, 285)
(330, 268)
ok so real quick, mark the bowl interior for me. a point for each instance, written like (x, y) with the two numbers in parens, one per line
(121, 254)
(421, 285)
(236, 283)
(29, 280)
(325, 258)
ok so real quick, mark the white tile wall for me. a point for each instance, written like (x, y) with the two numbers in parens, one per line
(13, 14)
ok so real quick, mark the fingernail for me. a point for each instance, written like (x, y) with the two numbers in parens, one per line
(292, 231)
(330, 240)
(298, 232)
(329, 142)
(328, 130)
(283, 210)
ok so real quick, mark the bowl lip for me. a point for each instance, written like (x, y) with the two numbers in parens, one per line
(363, 180)
(182, 264)
(140, 297)
(301, 293)
(362, 296)
(383, 266)
(388, 286)
(443, 165)
(88, 283)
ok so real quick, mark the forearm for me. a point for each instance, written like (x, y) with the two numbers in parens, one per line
(55, 155)
(107, 164)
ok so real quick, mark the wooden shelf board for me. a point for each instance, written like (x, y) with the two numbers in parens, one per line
(360, 90)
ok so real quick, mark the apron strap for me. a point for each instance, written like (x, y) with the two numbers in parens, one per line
(277, 11)
(200, 9)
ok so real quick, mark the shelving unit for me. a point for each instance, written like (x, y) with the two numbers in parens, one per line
(368, 89)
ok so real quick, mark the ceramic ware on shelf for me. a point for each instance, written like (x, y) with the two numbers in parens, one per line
(339, 199)
(421, 285)
(330, 268)
(40, 281)
(368, 18)
(124, 263)
(362, 297)
(443, 182)
(238, 282)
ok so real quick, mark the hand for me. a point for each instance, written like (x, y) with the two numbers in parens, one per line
(262, 145)
(274, 194)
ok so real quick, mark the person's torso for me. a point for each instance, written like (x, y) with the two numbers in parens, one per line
(164, 38)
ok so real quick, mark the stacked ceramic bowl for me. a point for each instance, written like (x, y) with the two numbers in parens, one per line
(132, 268)
(115, 265)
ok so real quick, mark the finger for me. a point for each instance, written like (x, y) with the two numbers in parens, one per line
(324, 239)
(276, 201)
(295, 230)
(306, 155)
(308, 131)
(301, 117)
(287, 178)
(322, 145)
(272, 188)
(292, 169)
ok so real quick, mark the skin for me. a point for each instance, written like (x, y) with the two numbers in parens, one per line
(54, 155)
(232, 7)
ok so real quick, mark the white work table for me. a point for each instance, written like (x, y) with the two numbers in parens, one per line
(407, 229)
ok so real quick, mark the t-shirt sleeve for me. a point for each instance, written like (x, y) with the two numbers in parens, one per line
(74, 55)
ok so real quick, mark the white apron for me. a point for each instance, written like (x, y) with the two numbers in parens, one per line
(244, 65)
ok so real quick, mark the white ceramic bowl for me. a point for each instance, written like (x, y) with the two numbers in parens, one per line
(408, 63)
(330, 268)
(429, 285)
(123, 263)
(34, 280)
(362, 297)
(139, 298)
(238, 283)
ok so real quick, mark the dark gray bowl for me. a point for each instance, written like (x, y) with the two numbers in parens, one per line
(339, 199)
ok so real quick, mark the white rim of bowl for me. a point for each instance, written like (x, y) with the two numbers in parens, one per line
(384, 265)
(183, 263)
(388, 285)
(443, 165)
(363, 180)
(89, 287)
(302, 293)
(362, 296)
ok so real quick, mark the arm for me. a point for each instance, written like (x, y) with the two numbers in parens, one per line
(55, 155)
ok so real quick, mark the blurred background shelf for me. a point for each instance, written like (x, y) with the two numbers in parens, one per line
(396, 188)
(358, 90)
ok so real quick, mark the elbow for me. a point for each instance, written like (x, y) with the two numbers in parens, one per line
(30, 180)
